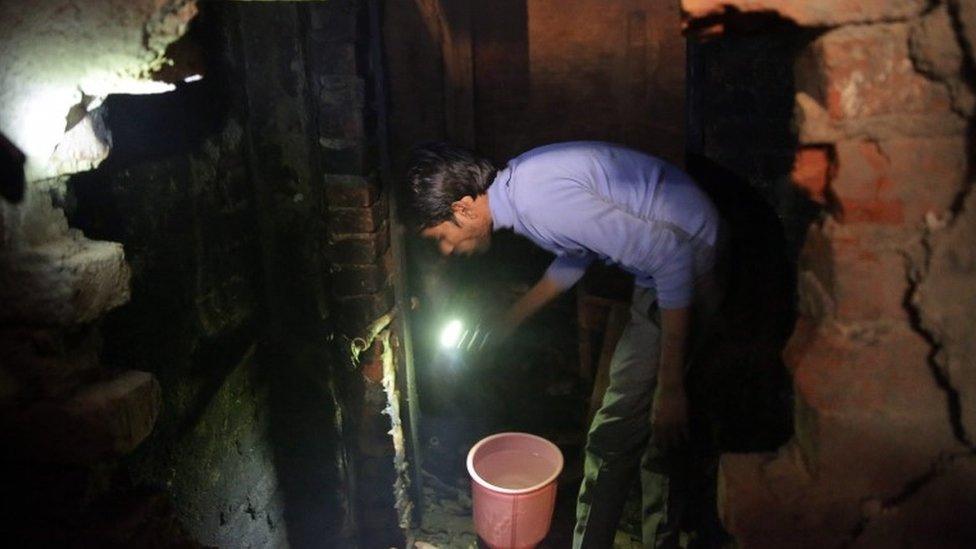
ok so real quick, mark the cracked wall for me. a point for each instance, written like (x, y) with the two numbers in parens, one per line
(882, 356)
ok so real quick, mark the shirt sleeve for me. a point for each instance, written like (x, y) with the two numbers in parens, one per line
(566, 270)
(674, 279)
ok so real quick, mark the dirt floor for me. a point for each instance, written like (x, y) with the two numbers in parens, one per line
(532, 384)
(446, 522)
(535, 389)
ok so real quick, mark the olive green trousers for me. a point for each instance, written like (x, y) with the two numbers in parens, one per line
(619, 448)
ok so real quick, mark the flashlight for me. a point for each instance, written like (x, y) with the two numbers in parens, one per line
(455, 336)
(451, 333)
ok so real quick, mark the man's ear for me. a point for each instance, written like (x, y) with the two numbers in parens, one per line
(463, 207)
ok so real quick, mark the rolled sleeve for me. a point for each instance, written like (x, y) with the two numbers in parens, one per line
(566, 270)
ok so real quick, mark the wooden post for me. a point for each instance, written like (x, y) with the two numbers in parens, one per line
(458, 73)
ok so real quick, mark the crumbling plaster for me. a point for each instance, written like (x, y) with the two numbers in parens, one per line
(61, 58)
(62, 53)
(882, 357)
(945, 296)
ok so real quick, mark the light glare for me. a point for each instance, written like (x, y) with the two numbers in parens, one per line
(451, 333)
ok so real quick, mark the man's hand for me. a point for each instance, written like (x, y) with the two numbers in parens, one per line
(501, 327)
(544, 291)
(669, 417)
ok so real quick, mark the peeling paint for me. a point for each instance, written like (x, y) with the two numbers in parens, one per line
(401, 486)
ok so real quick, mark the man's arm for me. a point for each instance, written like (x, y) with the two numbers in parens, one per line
(562, 274)
(669, 416)
(544, 291)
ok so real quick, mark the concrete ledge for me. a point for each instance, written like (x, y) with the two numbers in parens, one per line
(69, 281)
(101, 420)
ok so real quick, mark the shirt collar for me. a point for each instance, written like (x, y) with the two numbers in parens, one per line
(500, 201)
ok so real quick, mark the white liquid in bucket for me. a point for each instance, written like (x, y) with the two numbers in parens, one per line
(514, 469)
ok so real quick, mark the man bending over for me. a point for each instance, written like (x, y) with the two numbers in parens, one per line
(584, 201)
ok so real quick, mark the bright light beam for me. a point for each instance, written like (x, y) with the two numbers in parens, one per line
(451, 333)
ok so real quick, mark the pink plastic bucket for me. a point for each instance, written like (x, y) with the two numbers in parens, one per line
(513, 488)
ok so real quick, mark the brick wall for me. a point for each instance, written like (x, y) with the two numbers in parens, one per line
(358, 250)
(249, 208)
(882, 453)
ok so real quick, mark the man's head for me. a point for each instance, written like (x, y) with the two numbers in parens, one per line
(447, 188)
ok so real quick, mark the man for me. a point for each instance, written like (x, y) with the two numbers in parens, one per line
(584, 201)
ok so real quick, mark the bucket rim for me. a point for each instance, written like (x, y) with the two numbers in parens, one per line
(477, 478)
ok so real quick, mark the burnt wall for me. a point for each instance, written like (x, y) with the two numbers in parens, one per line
(597, 70)
(217, 193)
(504, 77)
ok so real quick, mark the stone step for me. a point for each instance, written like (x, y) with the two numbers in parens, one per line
(101, 420)
(68, 281)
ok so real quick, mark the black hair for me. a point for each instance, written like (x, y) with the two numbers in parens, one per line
(441, 174)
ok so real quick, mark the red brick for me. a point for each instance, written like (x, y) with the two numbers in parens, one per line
(356, 312)
(354, 191)
(896, 181)
(371, 363)
(359, 247)
(861, 190)
(862, 273)
(769, 500)
(358, 220)
(931, 516)
(928, 174)
(865, 71)
(869, 413)
(811, 171)
(354, 280)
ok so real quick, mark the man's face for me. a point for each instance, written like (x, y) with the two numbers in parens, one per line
(463, 236)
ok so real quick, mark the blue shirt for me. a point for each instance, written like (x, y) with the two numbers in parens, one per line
(590, 200)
